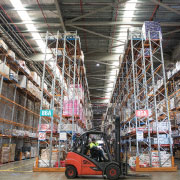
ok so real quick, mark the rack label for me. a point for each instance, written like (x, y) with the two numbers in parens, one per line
(142, 113)
(46, 112)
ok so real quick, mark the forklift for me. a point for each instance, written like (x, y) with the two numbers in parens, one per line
(79, 162)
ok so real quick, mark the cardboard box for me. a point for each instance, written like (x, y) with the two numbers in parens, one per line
(22, 81)
(4, 69)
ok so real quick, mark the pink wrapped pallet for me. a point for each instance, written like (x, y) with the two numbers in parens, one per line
(68, 107)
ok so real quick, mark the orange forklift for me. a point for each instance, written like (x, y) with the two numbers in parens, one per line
(79, 162)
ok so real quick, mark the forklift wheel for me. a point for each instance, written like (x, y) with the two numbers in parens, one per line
(112, 172)
(71, 172)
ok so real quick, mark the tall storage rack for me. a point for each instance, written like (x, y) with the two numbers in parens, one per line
(68, 77)
(142, 68)
(13, 106)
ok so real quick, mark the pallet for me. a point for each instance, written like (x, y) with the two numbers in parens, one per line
(155, 169)
(55, 169)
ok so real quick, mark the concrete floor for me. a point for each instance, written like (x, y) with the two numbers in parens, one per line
(22, 170)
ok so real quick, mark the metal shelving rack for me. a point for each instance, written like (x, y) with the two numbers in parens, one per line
(142, 67)
(67, 59)
(13, 105)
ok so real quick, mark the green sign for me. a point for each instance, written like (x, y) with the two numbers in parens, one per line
(46, 112)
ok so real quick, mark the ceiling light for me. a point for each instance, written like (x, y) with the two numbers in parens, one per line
(97, 65)
(25, 17)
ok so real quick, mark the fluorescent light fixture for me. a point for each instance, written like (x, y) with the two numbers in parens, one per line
(97, 65)
(30, 26)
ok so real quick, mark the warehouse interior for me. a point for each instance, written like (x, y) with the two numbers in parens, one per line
(73, 72)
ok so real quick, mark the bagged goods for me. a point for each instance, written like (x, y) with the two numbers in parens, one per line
(22, 64)
(4, 69)
(152, 27)
(22, 81)
(3, 45)
(13, 75)
(45, 154)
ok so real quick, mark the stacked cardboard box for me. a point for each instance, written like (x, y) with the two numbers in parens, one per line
(33, 89)
(12, 151)
(153, 27)
(177, 154)
(22, 81)
(4, 154)
(4, 69)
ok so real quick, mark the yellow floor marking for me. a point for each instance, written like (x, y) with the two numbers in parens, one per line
(14, 171)
(20, 166)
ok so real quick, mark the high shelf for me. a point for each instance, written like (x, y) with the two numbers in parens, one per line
(70, 102)
(141, 98)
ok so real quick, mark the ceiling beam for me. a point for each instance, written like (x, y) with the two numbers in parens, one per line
(111, 23)
(97, 34)
(167, 7)
(60, 15)
(171, 32)
(95, 11)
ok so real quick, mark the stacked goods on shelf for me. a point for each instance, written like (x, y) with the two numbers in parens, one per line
(67, 128)
(33, 152)
(151, 27)
(177, 154)
(143, 101)
(47, 128)
(33, 89)
(12, 151)
(22, 65)
(4, 69)
(144, 160)
(4, 154)
(23, 133)
(175, 70)
(13, 75)
(45, 156)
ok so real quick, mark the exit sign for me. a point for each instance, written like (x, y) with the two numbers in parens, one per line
(142, 113)
(46, 112)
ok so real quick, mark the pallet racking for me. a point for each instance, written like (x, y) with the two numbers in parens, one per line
(141, 85)
(68, 77)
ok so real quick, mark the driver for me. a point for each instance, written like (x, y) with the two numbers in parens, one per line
(99, 152)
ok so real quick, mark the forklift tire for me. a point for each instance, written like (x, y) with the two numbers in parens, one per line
(71, 172)
(112, 172)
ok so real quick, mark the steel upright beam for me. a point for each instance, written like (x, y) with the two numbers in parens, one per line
(62, 96)
(74, 83)
(42, 91)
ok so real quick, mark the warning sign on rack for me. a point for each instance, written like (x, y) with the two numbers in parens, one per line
(142, 113)
(42, 136)
(140, 135)
(63, 136)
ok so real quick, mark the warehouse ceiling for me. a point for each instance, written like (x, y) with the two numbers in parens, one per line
(102, 26)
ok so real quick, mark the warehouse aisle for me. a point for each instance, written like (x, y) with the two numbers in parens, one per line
(22, 170)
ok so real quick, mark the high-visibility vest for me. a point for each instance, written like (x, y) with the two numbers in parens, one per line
(93, 145)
